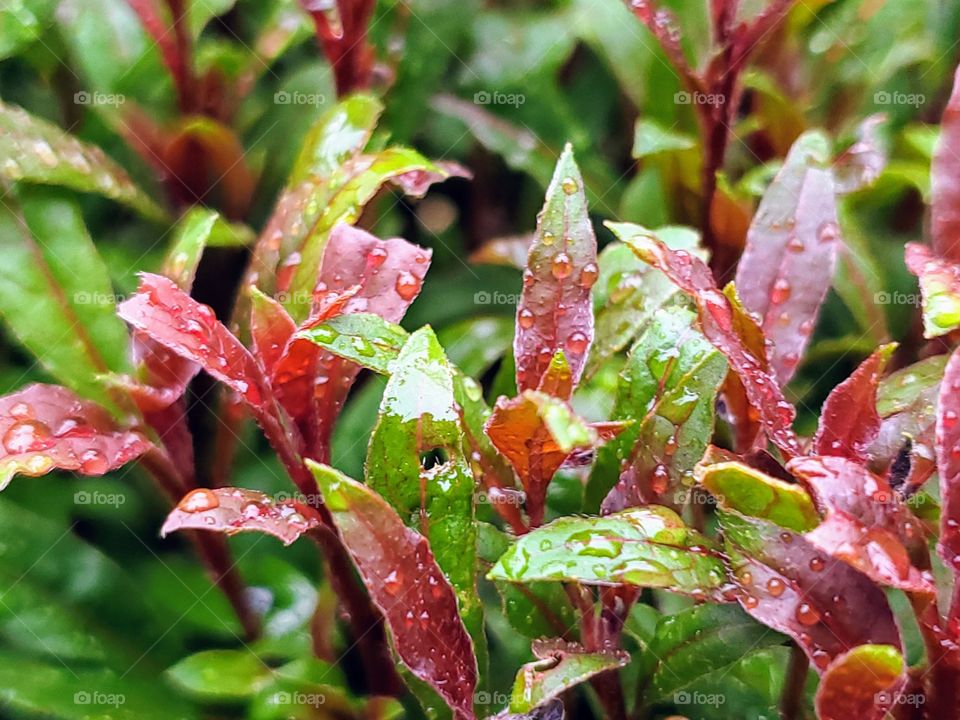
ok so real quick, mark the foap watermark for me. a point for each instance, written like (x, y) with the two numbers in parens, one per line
(98, 98)
(484, 297)
(312, 499)
(695, 697)
(682, 97)
(301, 699)
(95, 497)
(95, 697)
(491, 699)
(96, 298)
(501, 496)
(882, 97)
(886, 699)
(485, 97)
(283, 97)
(298, 297)
(897, 298)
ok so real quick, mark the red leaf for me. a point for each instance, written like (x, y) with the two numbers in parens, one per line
(846, 432)
(825, 605)
(717, 321)
(787, 265)
(744, 419)
(555, 312)
(234, 510)
(863, 684)
(47, 427)
(271, 328)
(860, 165)
(939, 288)
(404, 581)
(415, 183)
(945, 181)
(866, 524)
(948, 462)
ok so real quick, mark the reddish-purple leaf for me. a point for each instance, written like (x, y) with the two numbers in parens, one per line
(948, 462)
(945, 181)
(555, 312)
(860, 165)
(234, 510)
(939, 289)
(786, 583)
(849, 421)
(866, 523)
(863, 683)
(47, 427)
(271, 328)
(717, 322)
(787, 264)
(162, 375)
(415, 183)
(740, 413)
(404, 581)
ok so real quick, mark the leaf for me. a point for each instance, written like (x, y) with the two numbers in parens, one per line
(650, 138)
(418, 415)
(788, 585)
(198, 229)
(340, 133)
(695, 642)
(559, 667)
(948, 463)
(220, 675)
(234, 510)
(271, 328)
(55, 293)
(787, 264)
(561, 269)
(866, 523)
(47, 427)
(396, 562)
(717, 323)
(750, 492)
(629, 292)
(37, 151)
(865, 682)
(646, 547)
(939, 288)
(945, 181)
(536, 433)
(670, 382)
(364, 338)
(552, 710)
(844, 433)
(861, 164)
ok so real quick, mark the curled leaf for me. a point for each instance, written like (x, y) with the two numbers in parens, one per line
(945, 181)
(939, 289)
(948, 462)
(234, 510)
(862, 683)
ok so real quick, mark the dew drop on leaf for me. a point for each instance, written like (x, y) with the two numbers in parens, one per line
(408, 285)
(569, 185)
(525, 319)
(806, 615)
(199, 500)
(27, 436)
(775, 587)
(92, 462)
(561, 267)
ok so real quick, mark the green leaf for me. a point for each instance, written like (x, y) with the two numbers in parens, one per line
(751, 492)
(863, 683)
(646, 547)
(55, 292)
(418, 416)
(220, 675)
(198, 229)
(364, 338)
(559, 668)
(650, 138)
(21, 23)
(340, 133)
(670, 381)
(629, 292)
(696, 642)
(37, 151)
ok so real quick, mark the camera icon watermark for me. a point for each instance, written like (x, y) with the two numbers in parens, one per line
(484, 297)
(84, 97)
(300, 699)
(491, 699)
(86, 497)
(485, 97)
(283, 97)
(897, 298)
(95, 697)
(882, 97)
(682, 97)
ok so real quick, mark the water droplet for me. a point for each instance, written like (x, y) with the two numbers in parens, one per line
(569, 185)
(92, 462)
(577, 343)
(27, 436)
(252, 511)
(43, 151)
(750, 602)
(795, 244)
(775, 587)
(408, 285)
(806, 615)
(561, 267)
(780, 292)
(829, 232)
(588, 276)
(660, 478)
(525, 319)
(199, 500)
(376, 257)
(206, 314)
(816, 564)
(392, 582)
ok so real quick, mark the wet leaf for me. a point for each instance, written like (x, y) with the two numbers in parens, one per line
(47, 427)
(55, 293)
(939, 288)
(862, 683)
(418, 416)
(646, 547)
(787, 264)
(220, 675)
(363, 338)
(234, 510)
(38, 151)
(861, 164)
(536, 433)
(750, 492)
(559, 667)
(629, 292)
(826, 606)
(866, 523)
(948, 462)
(945, 181)
(555, 312)
(717, 323)
(338, 135)
(196, 231)
(396, 562)
(670, 383)
(850, 434)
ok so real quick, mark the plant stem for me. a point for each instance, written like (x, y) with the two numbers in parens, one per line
(791, 703)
